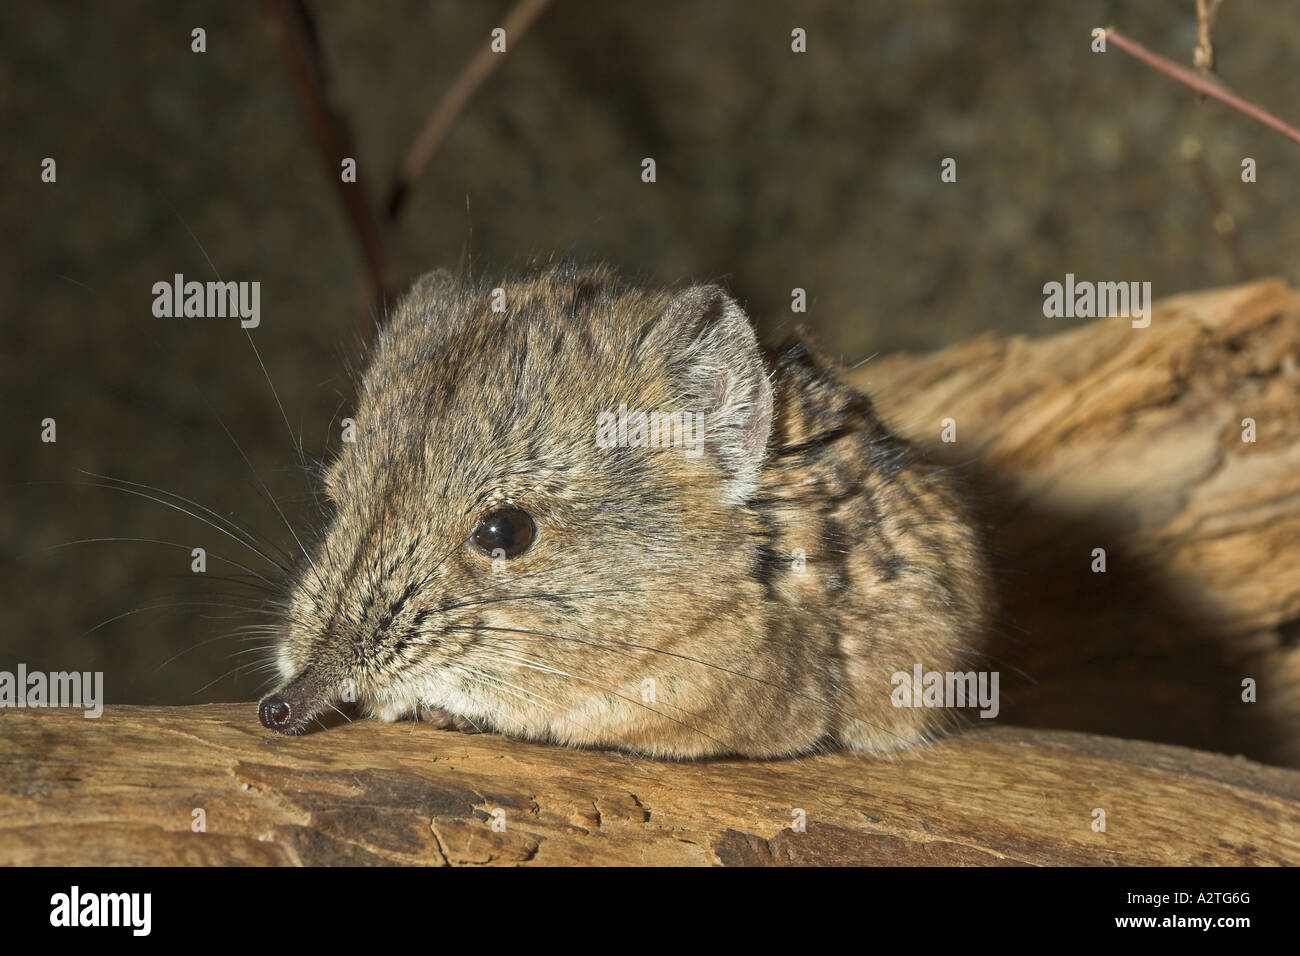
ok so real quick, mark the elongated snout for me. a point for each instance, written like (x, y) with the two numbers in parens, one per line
(288, 710)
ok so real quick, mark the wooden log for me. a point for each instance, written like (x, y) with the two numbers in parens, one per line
(1104, 436)
(124, 789)
(1130, 440)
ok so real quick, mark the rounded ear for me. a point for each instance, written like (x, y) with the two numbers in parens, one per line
(714, 355)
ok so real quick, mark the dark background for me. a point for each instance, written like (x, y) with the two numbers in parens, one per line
(775, 170)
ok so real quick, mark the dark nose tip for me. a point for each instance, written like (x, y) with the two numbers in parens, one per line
(289, 709)
(275, 712)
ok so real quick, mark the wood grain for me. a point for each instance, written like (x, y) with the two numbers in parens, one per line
(1130, 440)
(122, 790)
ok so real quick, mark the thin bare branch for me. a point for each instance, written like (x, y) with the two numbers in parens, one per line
(440, 121)
(1203, 55)
(1202, 84)
(299, 40)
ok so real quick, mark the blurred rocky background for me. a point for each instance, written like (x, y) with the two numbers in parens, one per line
(775, 170)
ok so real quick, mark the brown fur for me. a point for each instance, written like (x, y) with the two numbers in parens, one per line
(648, 563)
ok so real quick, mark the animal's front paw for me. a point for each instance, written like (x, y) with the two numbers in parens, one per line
(442, 719)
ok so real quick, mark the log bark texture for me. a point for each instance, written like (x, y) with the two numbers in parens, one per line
(1104, 436)
(124, 789)
(1130, 440)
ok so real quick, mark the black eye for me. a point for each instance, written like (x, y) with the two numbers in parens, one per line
(507, 531)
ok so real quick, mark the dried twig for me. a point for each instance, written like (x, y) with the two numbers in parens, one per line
(298, 38)
(435, 128)
(1202, 84)
(1203, 55)
(1225, 224)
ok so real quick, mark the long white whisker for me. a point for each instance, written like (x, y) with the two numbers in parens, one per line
(176, 507)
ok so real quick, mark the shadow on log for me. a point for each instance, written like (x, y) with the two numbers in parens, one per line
(1131, 441)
